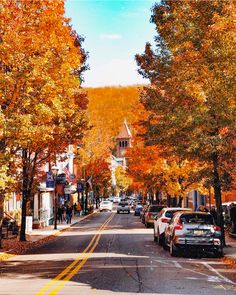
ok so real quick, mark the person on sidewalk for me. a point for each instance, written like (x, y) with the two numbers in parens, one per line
(78, 208)
(75, 209)
(214, 213)
(233, 218)
(59, 214)
(69, 211)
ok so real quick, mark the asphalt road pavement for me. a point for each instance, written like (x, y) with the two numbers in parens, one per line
(111, 253)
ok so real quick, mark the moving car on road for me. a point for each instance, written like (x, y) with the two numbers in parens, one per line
(105, 206)
(193, 231)
(150, 214)
(123, 207)
(161, 222)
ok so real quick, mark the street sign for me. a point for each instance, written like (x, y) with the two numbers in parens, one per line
(80, 187)
(61, 178)
(49, 180)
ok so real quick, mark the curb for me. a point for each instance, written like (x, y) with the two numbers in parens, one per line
(6, 255)
(233, 235)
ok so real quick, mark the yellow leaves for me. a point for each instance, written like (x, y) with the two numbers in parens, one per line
(123, 181)
(107, 109)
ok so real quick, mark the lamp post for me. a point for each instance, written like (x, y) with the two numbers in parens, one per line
(55, 171)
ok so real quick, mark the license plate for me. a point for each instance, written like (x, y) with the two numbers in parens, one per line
(199, 232)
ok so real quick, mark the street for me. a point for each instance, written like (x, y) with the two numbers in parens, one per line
(112, 253)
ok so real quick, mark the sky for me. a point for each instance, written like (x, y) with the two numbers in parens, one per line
(114, 31)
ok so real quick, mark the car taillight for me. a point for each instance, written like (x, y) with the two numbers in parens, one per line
(217, 228)
(164, 220)
(178, 227)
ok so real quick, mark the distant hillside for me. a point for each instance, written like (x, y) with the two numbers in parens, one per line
(108, 106)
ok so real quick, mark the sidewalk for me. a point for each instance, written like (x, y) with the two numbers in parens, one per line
(35, 238)
(230, 250)
(38, 234)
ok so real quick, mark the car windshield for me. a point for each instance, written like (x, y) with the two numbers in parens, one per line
(105, 202)
(197, 218)
(155, 209)
(123, 203)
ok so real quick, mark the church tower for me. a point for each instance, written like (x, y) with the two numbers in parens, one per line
(123, 140)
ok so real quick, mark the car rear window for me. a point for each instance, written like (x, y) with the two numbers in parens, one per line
(155, 209)
(170, 213)
(197, 218)
(123, 203)
(106, 202)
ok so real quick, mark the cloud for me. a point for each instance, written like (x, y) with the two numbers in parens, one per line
(110, 36)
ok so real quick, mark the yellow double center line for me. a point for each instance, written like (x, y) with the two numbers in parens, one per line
(59, 281)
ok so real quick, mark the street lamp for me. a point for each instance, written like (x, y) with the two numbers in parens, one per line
(55, 171)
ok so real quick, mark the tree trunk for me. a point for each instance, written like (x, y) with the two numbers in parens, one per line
(217, 193)
(24, 196)
(1, 216)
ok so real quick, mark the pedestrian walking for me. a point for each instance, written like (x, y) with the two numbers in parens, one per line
(69, 210)
(214, 213)
(78, 208)
(233, 218)
(75, 209)
(60, 214)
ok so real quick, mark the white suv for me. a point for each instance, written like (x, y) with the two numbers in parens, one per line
(105, 206)
(161, 222)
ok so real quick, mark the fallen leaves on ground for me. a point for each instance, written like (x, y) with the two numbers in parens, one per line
(13, 246)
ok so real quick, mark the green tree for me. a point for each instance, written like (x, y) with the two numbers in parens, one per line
(192, 93)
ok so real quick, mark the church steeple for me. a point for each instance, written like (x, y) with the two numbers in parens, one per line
(123, 140)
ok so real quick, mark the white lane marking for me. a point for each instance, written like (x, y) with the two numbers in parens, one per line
(177, 264)
(217, 273)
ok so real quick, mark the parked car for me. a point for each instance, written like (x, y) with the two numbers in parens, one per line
(105, 206)
(150, 213)
(123, 207)
(142, 213)
(193, 231)
(161, 222)
(137, 210)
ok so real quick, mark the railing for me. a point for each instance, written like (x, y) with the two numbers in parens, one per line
(9, 225)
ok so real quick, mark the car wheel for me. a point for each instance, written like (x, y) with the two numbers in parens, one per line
(218, 253)
(154, 236)
(128, 212)
(164, 245)
(118, 212)
(159, 238)
(173, 249)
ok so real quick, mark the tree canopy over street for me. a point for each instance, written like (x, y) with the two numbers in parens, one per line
(42, 104)
(191, 98)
